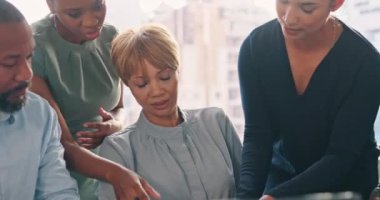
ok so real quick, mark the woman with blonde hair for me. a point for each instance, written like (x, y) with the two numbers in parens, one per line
(184, 154)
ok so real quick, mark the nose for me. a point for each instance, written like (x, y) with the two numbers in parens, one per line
(90, 20)
(24, 72)
(156, 88)
(290, 16)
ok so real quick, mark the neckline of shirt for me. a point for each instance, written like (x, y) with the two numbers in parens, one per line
(148, 128)
(4, 116)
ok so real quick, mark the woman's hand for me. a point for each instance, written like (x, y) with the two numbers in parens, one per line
(266, 197)
(93, 138)
(130, 186)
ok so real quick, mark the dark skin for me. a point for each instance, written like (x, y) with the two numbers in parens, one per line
(127, 184)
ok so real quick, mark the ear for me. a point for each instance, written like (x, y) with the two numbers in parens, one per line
(50, 4)
(336, 4)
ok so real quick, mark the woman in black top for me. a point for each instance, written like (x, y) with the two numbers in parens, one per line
(310, 91)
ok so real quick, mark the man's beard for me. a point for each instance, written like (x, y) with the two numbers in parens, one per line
(8, 106)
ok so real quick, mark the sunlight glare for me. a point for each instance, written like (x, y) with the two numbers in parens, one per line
(148, 6)
(176, 4)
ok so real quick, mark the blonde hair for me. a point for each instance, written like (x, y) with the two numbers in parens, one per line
(152, 43)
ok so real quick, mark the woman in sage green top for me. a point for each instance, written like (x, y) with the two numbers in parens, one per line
(74, 72)
(184, 154)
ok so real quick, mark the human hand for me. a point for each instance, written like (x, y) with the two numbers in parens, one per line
(266, 197)
(90, 139)
(130, 186)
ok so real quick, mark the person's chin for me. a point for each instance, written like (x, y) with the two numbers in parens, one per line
(12, 106)
(163, 111)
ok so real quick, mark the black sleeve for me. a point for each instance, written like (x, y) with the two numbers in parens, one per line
(257, 146)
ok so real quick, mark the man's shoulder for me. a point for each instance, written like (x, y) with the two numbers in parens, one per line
(35, 98)
(36, 114)
(36, 103)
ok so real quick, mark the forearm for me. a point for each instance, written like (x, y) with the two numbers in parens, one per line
(82, 160)
(254, 169)
(88, 163)
(126, 184)
(258, 138)
(257, 147)
(324, 175)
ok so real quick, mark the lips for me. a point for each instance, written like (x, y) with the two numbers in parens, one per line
(19, 91)
(17, 95)
(160, 105)
(91, 35)
(291, 31)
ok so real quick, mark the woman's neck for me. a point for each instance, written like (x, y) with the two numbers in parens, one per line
(172, 120)
(324, 38)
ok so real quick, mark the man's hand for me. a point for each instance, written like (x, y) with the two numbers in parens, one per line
(129, 186)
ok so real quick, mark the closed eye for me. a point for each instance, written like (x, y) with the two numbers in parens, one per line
(140, 82)
(10, 61)
(165, 78)
(166, 74)
(308, 8)
(141, 85)
(74, 14)
(8, 65)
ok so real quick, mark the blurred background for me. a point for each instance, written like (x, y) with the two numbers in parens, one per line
(210, 33)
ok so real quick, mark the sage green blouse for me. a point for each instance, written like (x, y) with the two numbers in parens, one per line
(81, 78)
(197, 160)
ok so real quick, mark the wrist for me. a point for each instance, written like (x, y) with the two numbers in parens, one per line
(117, 126)
(112, 172)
